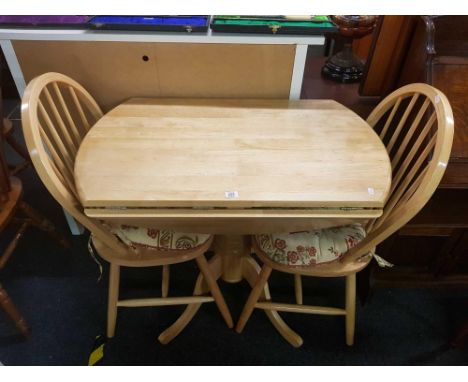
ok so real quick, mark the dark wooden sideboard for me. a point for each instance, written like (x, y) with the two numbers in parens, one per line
(432, 250)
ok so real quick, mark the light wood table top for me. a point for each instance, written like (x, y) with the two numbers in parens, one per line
(232, 166)
(232, 153)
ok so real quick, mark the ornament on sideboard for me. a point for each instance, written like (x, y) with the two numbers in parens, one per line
(345, 66)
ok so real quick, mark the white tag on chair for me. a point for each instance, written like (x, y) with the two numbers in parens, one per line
(381, 261)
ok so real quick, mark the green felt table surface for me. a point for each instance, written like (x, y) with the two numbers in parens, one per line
(307, 24)
(314, 22)
(280, 17)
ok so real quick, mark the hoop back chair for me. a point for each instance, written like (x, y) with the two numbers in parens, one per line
(415, 124)
(57, 112)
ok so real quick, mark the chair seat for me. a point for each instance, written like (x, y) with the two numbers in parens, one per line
(309, 248)
(153, 238)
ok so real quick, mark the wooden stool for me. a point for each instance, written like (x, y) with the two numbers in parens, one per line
(14, 208)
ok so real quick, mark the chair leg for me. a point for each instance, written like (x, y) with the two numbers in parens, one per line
(114, 280)
(251, 270)
(200, 288)
(16, 169)
(13, 244)
(165, 280)
(298, 288)
(7, 305)
(215, 291)
(350, 308)
(253, 298)
(44, 224)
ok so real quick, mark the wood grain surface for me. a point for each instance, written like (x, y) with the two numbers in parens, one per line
(232, 153)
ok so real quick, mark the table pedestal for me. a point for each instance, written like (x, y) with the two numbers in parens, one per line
(233, 249)
(233, 263)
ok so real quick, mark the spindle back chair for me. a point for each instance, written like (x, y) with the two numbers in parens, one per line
(57, 112)
(418, 142)
(415, 124)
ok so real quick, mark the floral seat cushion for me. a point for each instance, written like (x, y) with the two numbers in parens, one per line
(309, 248)
(154, 238)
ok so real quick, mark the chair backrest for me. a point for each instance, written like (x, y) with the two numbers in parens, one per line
(56, 114)
(415, 123)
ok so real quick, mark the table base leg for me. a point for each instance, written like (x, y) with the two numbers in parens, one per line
(233, 249)
(201, 287)
(233, 263)
(250, 271)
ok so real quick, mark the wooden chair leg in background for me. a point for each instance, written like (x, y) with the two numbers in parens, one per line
(7, 305)
(12, 244)
(350, 308)
(43, 224)
(114, 281)
(20, 150)
(253, 298)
